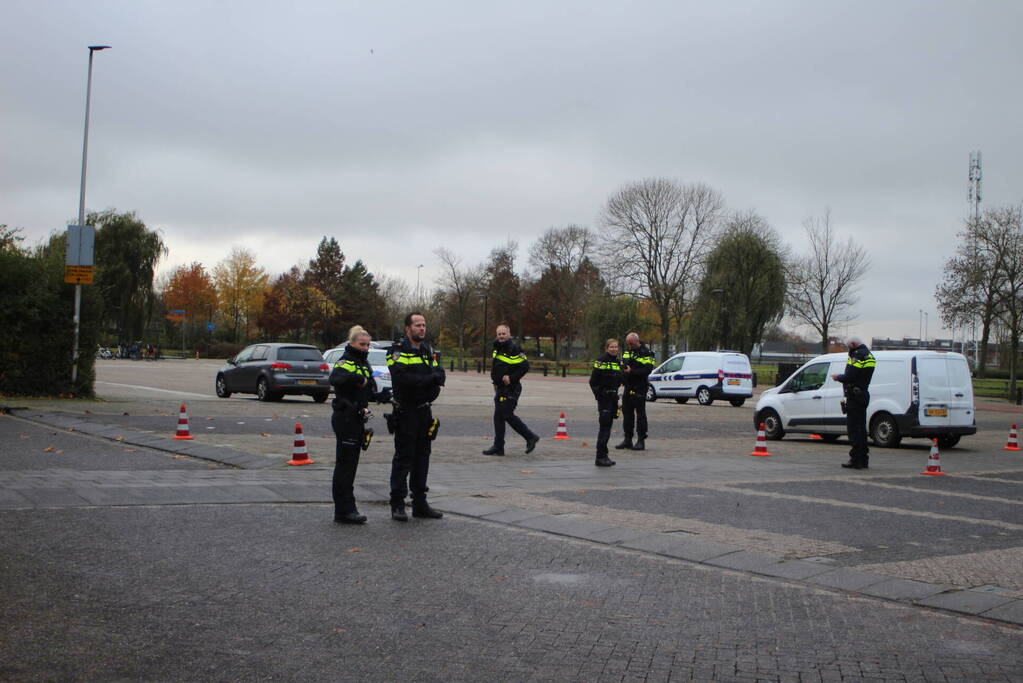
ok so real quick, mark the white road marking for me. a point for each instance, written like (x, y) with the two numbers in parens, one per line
(162, 391)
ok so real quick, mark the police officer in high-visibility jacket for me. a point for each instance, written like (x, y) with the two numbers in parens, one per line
(859, 368)
(416, 379)
(352, 379)
(509, 366)
(637, 362)
(605, 379)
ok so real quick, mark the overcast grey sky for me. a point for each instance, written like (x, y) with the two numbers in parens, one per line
(400, 126)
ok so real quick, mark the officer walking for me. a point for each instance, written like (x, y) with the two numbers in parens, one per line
(416, 379)
(637, 362)
(605, 379)
(509, 366)
(859, 368)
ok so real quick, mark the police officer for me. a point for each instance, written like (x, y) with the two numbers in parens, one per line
(605, 378)
(859, 368)
(416, 378)
(509, 366)
(637, 362)
(353, 383)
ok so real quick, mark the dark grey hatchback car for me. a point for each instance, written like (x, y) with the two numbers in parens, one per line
(272, 370)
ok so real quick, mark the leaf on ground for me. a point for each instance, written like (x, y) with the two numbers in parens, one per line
(263, 434)
(49, 449)
(179, 457)
(527, 471)
(584, 444)
(120, 438)
(340, 630)
(23, 436)
(354, 550)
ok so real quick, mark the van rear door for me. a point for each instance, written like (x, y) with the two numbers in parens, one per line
(960, 384)
(935, 391)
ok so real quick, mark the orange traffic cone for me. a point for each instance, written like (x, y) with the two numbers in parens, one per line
(562, 432)
(815, 436)
(761, 447)
(1013, 444)
(934, 460)
(183, 432)
(299, 455)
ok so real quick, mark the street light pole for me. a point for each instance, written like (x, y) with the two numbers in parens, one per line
(81, 208)
(483, 337)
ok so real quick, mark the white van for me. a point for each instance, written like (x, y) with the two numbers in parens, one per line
(707, 375)
(912, 393)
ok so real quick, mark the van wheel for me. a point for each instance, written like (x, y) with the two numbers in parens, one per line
(773, 429)
(703, 396)
(884, 431)
(948, 441)
(682, 399)
(737, 402)
(651, 395)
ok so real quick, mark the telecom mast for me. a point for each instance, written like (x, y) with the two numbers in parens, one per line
(973, 194)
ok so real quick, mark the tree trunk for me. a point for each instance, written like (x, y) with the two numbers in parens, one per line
(982, 351)
(824, 338)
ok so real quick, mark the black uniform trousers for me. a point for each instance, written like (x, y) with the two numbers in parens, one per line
(607, 406)
(504, 412)
(856, 424)
(634, 413)
(348, 429)
(411, 463)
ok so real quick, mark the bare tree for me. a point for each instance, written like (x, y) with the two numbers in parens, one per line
(563, 257)
(460, 288)
(398, 300)
(822, 284)
(657, 234)
(973, 280)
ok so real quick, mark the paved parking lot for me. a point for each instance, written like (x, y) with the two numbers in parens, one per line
(212, 559)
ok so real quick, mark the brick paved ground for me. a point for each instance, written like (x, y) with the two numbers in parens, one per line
(131, 556)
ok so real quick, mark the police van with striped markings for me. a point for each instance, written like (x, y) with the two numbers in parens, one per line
(703, 375)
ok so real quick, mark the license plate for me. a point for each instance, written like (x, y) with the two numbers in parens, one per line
(307, 381)
(937, 412)
(733, 382)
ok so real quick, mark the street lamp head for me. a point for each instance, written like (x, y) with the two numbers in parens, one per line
(95, 48)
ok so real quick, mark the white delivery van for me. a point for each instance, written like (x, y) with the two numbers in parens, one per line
(912, 394)
(707, 375)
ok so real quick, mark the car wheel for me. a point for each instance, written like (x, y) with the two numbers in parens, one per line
(829, 438)
(651, 395)
(948, 441)
(221, 384)
(321, 397)
(703, 396)
(773, 429)
(737, 402)
(263, 390)
(884, 431)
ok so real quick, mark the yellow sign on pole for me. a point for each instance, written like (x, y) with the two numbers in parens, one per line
(78, 275)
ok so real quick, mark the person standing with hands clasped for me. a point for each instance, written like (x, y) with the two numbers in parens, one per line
(509, 366)
(416, 378)
(605, 379)
(859, 368)
(352, 379)
(637, 362)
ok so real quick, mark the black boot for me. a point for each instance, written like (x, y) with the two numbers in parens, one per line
(853, 464)
(626, 444)
(423, 509)
(604, 461)
(352, 517)
(398, 512)
(494, 450)
(531, 443)
(640, 444)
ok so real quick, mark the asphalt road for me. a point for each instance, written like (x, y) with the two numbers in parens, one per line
(127, 557)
